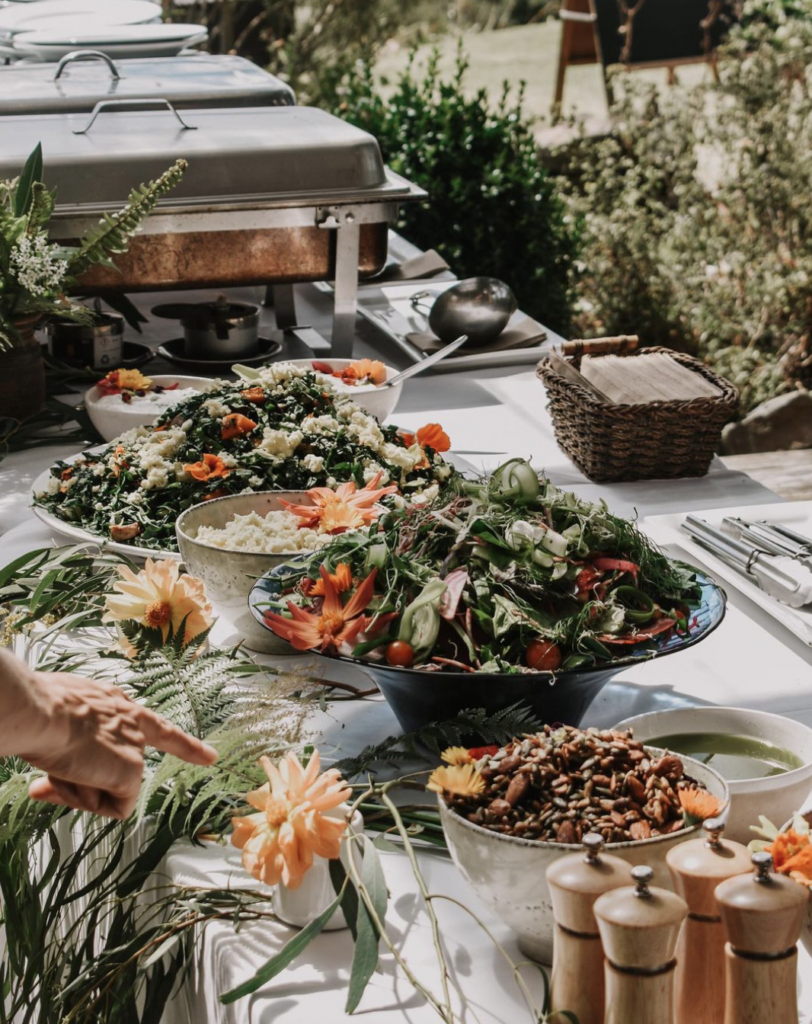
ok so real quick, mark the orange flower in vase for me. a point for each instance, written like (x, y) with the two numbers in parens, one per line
(345, 508)
(290, 825)
(337, 623)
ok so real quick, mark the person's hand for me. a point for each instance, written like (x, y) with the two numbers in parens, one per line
(89, 738)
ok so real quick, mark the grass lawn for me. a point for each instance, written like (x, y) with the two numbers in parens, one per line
(528, 53)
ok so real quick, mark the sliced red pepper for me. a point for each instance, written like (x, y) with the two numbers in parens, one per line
(586, 580)
(616, 565)
(321, 367)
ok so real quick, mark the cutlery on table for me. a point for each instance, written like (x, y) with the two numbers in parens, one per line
(778, 575)
(772, 539)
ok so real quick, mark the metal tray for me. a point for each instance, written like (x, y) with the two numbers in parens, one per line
(83, 79)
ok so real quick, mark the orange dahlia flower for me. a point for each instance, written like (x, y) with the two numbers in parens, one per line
(235, 425)
(335, 625)
(210, 467)
(697, 805)
(290, 827)
(346, 508)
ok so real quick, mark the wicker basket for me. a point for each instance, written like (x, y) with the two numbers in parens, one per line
(638, 442)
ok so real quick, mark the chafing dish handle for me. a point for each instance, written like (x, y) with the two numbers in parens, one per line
(77, 55)
(129, 104)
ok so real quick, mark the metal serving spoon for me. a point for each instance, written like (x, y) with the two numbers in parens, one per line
(424, 364)
(479, 307)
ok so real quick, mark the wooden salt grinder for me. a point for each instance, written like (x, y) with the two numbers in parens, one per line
(697, 867)
(639, 927)
(575, 882)
(763, 915)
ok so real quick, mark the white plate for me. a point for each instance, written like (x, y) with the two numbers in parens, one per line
(78, 533)
(797, 515)
(122, 41)
(68, 16)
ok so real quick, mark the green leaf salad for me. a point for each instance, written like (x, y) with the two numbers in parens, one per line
(285, 429)
(508, 574)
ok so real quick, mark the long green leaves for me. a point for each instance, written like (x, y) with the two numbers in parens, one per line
(285, 956)
(31, 172)
(367, 936)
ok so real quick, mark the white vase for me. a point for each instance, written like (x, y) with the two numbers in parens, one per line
(300, 906)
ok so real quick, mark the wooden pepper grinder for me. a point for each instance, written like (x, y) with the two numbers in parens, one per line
(639, 926)
(762, 915)
(576, 881)
(697, 867)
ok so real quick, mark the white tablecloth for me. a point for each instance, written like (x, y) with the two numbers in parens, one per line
(749, 661)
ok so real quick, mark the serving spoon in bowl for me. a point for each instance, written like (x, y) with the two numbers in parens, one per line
(424, 364)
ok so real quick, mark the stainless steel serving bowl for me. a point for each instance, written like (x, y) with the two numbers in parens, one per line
(229, 575)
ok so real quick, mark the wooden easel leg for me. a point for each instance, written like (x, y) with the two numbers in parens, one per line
(567, 29)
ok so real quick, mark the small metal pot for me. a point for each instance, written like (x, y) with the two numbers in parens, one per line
(98, 345)
(219, 330)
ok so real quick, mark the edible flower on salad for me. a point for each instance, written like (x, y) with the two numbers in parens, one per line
(345, 508)
(117, 381)
(430, 436)
(361, 371)
(334, 625)
(210, 467)
(341, 580)
(235, 425)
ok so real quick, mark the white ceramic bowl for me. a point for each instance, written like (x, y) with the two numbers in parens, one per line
(509, 874)
(112, 420)
(229, 575)
(379, 402)
(776, 797)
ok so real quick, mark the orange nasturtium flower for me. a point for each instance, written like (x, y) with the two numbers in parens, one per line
(255, 394)
(364, 369)
(235, 425)
(431, 435)
(335, 625)
(345, 508)
(341, 580)
(697, 805)
(290, 825)
(210, 467)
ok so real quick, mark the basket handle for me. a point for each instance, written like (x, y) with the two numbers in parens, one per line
(601, 346)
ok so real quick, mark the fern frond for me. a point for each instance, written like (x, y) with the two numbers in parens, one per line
(115, 230)
(42, 206)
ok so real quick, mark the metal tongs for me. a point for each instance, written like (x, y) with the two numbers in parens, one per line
(772, 538)
(772, 570)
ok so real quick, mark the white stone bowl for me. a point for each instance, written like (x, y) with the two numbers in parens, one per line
(110, 422)
(776, 797)
(380, 402)
(229, 575)
(509, 874)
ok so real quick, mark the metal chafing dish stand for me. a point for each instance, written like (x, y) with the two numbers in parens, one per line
(271, 197)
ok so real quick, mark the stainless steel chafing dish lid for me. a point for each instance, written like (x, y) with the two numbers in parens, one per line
(238, 158)
(82, 79)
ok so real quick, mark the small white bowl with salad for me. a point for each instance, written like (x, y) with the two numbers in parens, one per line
(124, 399)
(359, 380)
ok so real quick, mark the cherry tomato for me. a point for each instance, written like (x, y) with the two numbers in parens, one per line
(543, 656)
(400, 653)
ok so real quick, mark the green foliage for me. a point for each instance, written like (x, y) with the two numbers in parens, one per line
(36, 274)
(697, 213)
(492, 207)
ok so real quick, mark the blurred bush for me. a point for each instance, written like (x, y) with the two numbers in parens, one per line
(493, 207)
(697, 215)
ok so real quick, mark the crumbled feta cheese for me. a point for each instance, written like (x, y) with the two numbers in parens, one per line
(215, 408)
(278, 444)
(315, 463)
(272, 534)
(227, 459)
(321, 425)
(372, 469)
(256, 481)
(425, 496)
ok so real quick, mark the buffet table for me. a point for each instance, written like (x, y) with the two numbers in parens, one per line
(751, 661)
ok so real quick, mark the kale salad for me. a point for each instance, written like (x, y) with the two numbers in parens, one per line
(284, 429)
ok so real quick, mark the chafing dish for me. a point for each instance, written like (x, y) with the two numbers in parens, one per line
(84, 78)
(271, 196)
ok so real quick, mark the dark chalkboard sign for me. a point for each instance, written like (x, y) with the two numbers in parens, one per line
(661, 30)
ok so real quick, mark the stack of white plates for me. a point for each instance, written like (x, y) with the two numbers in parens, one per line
(47, 30)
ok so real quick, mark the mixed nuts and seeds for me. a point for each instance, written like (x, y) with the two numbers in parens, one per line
(564, 782)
